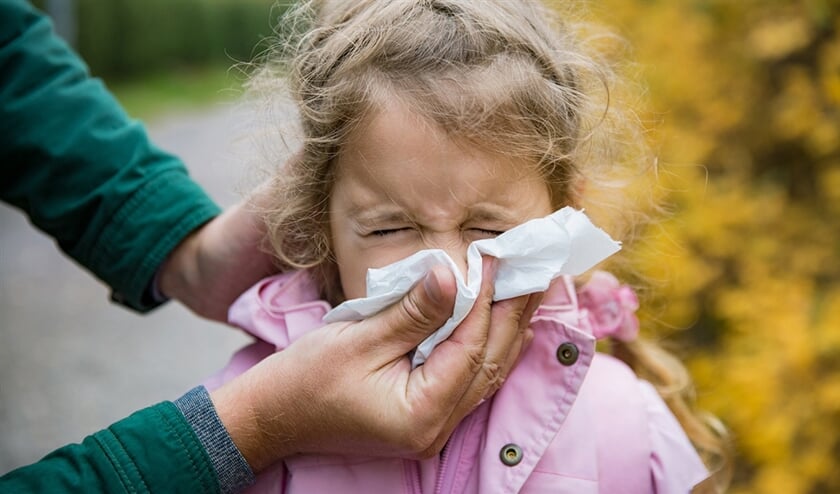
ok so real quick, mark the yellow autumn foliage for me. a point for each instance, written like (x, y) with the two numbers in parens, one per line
(744, 105)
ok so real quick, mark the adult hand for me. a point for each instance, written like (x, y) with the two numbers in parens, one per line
(349, 387)
(212, 266)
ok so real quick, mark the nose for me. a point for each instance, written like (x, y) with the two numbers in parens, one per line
(460, 258)
(455, 248)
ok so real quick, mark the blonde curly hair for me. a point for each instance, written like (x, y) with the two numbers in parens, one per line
(508, 76)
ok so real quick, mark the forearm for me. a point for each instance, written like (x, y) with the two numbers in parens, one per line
(80, 168)
(153, 450)
(267, 413)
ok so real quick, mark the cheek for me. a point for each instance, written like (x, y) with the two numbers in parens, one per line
(352, 276)
(353, 264)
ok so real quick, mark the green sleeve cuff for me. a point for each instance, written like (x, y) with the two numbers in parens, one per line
(153, 450)
(144, 230)
(156, 450)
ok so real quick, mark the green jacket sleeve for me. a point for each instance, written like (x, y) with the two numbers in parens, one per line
(152, 451)
(80, 168)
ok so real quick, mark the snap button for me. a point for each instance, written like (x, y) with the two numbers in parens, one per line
(567, 353)
(511, 454)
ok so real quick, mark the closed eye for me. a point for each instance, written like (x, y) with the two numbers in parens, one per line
(390, 231)
(487, 233)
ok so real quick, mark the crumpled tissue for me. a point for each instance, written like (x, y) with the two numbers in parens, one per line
(530, 256)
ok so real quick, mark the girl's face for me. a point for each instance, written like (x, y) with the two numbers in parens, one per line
(402, 185)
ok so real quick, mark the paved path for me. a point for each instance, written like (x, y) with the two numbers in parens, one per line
(70, 362)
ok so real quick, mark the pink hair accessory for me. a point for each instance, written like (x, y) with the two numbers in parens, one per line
(611, 307)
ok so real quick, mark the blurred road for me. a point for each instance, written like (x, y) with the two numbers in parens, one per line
(72, 363)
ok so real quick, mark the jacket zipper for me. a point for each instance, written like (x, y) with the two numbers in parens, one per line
(412, 473)
(450, 456)
(442, 470)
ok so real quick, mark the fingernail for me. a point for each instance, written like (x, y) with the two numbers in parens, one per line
(432, 286)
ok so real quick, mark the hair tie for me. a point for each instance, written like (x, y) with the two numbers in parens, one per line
(610, 306)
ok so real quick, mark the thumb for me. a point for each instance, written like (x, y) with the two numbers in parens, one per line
(423, 310)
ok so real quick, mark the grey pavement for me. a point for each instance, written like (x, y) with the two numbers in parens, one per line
(71, 362)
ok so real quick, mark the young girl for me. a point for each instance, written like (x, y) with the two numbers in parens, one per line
(431, 124)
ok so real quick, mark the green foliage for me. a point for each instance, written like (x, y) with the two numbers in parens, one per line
(170, 91)
(746, 100)
(120, 38)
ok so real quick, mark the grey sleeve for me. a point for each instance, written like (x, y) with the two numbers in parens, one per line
(232, 470)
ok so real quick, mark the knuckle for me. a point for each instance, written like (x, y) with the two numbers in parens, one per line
(414, 311)
(492, 373)
(496, 385)
(475, 358)
(494, 376)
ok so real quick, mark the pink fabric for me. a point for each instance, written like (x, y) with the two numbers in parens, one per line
(277, 311)
(589, 426)
(610, 306)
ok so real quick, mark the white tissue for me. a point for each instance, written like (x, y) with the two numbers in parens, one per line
(530, 256)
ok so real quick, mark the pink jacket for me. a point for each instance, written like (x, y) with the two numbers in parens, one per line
(567, 420)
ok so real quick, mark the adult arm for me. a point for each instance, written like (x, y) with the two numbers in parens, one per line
(81, 169)
(153, 450)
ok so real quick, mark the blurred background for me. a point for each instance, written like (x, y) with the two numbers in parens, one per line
(744, 101)
(743, 105)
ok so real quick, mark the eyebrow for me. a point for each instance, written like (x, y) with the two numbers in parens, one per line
(365, 216)
(493, 213)
(371, 217)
